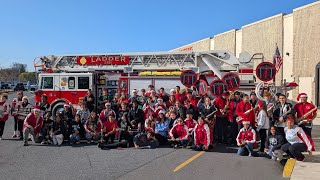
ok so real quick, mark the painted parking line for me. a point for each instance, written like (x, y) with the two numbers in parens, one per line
(188, 161)
(288, 168)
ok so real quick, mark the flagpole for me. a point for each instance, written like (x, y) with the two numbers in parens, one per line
(274, 63)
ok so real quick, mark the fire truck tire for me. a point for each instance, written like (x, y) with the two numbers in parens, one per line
(56, 108)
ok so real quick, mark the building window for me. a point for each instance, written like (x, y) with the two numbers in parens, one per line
(83, 82)
(47, 83)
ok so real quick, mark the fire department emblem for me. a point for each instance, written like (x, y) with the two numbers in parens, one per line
(265, 71)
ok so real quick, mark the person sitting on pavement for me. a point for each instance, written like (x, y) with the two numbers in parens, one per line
(32, 126)
(77, 130)
(135, 116)
(109, 130)
(57, 131)
(93, 128)
(273, 143)
(145, 140)
(162, 128)
(246, 139)
(179, 134)
(46, 128)
(202, 136)
(150, 123)
(298, 141)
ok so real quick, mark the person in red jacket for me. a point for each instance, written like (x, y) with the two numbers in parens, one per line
(179, 134)
(109, 129)
(232, 116)
(32, 125)
(202, 136)
(244, 110)
(246, 139)
(222, 104)
(4, 113)
(301, 109)
(191, 124)
(14, 104)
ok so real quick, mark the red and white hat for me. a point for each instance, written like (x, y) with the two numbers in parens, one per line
(245, 121)
(302, 95)
(36, 108)
(108, 104)
(162, 112)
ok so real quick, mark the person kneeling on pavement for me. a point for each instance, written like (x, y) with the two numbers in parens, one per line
(109, 129)
(298, 141)
(145, 140)
(93, 128)
(179, 134)
(32, 126)
(202, 136)
(246, 139)
(273, 144)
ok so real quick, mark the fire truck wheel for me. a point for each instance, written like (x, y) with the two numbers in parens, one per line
(57, 108)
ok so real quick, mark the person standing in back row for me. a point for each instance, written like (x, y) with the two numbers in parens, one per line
(89, 99)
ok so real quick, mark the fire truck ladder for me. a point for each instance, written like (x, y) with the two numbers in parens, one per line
(218, 61)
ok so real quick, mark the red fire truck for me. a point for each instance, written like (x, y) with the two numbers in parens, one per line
(66, 78)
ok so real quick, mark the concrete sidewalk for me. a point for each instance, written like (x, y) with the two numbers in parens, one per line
(309, 169)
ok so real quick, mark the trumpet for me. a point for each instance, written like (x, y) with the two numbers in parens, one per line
(238, 119)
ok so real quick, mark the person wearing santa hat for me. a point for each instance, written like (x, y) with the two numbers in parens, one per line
(4, 113)
(14, 105)
(104, 115)
(179, 134)
(298, 141)
(32, 125)
(281, 111)
(222, 104)
(244, 111)
(134, 96)
(202, 137)
(301, 109)
(162, 128)
(44, 105)
(246, 139)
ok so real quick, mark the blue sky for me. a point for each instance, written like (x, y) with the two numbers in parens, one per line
(38, 27)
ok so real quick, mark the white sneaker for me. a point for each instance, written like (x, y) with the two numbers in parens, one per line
(274, 158)
(0, 137)
(250, 155)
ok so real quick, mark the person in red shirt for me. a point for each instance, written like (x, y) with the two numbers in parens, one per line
(222, 104)
(4, 113)
(109, 129)
(202, 141)
(32, 125)
(244, 110)
(14, 105)
(193, 101)
(232, 116)
(246, 139)
(179, 134)
(177, 95)
(301, 109)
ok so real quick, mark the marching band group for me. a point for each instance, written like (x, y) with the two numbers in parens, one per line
(179, 118)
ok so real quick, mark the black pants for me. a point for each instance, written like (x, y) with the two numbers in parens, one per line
(111, 137)
(306, 130)
(162, 140)
(221, 129)
(294, 150)
(263, 136)
(234, 132)
(2, 124)
(15, 123)
(20, 126)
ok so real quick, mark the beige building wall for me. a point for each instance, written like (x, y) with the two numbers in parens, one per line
(306, 45)
(226, 41)
(201, 45)
(288, 74)
(262, 37)
(238, 42)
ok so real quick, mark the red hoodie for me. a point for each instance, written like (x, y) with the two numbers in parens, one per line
(4, 108)
(179, 131)
(202, 135)
(36, 123)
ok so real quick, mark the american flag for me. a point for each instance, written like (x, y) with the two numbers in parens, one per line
(277, 60)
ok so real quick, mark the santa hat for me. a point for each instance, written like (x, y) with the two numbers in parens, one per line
(162, 112)
(25, 97)
(134, 91)
(172, 90)
(302, 95)
(36, 108)
(160, 99)
(107, 104)
(260, 104)
(245, 121)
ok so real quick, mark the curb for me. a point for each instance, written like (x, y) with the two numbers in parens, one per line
(288, 168)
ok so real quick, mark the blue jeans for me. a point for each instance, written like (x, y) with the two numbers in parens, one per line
(74, 138)
(245, 150)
